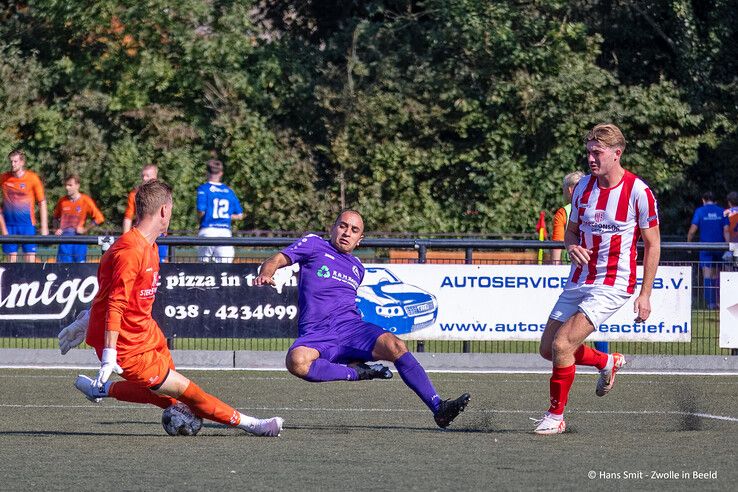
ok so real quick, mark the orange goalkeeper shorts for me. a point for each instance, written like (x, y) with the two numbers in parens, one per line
(149, 368)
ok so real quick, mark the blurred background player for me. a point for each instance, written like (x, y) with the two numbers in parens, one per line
(148, 172)
(713, 228)
(561, 217)
(22, 189)
(126, 338)
(70, 215)
(731, 213)
(611, 208)
(217, 206)
(334, 342)
(560, 221)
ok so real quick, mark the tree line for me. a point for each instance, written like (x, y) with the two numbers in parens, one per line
(429, 116)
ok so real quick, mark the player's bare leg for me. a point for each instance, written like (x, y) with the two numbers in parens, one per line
(546, 346)
(209, 407)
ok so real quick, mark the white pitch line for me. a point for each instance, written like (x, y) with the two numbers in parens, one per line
(396, 410)
(431, 371)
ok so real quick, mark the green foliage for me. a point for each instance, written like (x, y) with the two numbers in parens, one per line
(429, 116)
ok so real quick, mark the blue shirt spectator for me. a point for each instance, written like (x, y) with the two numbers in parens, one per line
(713, 228)
(217, 208)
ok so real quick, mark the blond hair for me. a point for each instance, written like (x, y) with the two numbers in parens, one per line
(608, 135)
(572, 179)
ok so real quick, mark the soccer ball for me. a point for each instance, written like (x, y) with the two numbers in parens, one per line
(178, 420)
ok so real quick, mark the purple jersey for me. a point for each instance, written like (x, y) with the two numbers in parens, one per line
(327, 284)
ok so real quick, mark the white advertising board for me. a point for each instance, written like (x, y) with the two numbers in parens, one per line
(729, 309)
(507, 302)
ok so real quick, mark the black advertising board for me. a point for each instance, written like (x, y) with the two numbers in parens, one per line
(193, 300)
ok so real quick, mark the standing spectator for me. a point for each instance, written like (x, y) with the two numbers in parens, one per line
(731, 213)
(560, 223)
(561, 218)
(217, 206)
(148, 173)
(70, 215)
(713, 228)
(22, 189)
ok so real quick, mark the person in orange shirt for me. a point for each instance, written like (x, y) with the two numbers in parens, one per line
(148, 172)
(21, 190)
(126, 338)
(561, 217)
(70, 215)
(732, 214)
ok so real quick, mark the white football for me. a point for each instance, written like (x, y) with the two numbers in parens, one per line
(178, 420)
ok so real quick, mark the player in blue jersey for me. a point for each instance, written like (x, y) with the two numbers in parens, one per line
(217, 207)
(334, 342)
(713, 228)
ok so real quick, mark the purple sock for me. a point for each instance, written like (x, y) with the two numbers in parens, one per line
(415, 377)
(321, 370)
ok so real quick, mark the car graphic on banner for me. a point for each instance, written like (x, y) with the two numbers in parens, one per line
(384, 300)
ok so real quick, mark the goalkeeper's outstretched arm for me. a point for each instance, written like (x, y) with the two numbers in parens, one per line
(75, 333)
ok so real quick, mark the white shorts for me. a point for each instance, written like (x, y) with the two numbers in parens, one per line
(215, 254)
(596, 302)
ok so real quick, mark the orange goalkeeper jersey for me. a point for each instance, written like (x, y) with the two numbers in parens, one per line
(128, 277)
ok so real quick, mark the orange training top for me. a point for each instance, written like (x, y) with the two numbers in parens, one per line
(130, 212)
(74, 213)
(733, 224)
(128, 277)
(560, 220)
(20, 196)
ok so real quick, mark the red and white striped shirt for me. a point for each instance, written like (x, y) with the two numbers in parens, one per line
(610, 221)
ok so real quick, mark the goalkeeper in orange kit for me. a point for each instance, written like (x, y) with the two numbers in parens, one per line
(126, 338)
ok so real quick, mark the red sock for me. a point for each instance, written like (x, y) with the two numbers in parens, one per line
(209, 407)
(561, 381)
(587, 356)
(127, 391)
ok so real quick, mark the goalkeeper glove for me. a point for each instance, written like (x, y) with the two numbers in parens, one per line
(107, 367)
(74, 334)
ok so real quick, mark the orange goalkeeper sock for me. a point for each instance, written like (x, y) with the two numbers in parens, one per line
(127, 391)
(209, 407)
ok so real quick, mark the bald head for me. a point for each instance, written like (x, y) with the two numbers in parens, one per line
(347, 231)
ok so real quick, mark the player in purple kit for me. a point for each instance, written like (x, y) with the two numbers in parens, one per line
(334, 342)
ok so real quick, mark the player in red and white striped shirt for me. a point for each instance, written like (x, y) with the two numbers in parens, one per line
(611, 209)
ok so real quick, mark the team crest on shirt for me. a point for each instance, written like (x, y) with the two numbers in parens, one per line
(599, 216)
(78, 209)
(23, 186)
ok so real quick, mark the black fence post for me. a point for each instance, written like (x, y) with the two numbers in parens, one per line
(468, 259)
(422, 256)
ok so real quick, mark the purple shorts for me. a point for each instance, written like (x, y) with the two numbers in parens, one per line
(347, 341)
